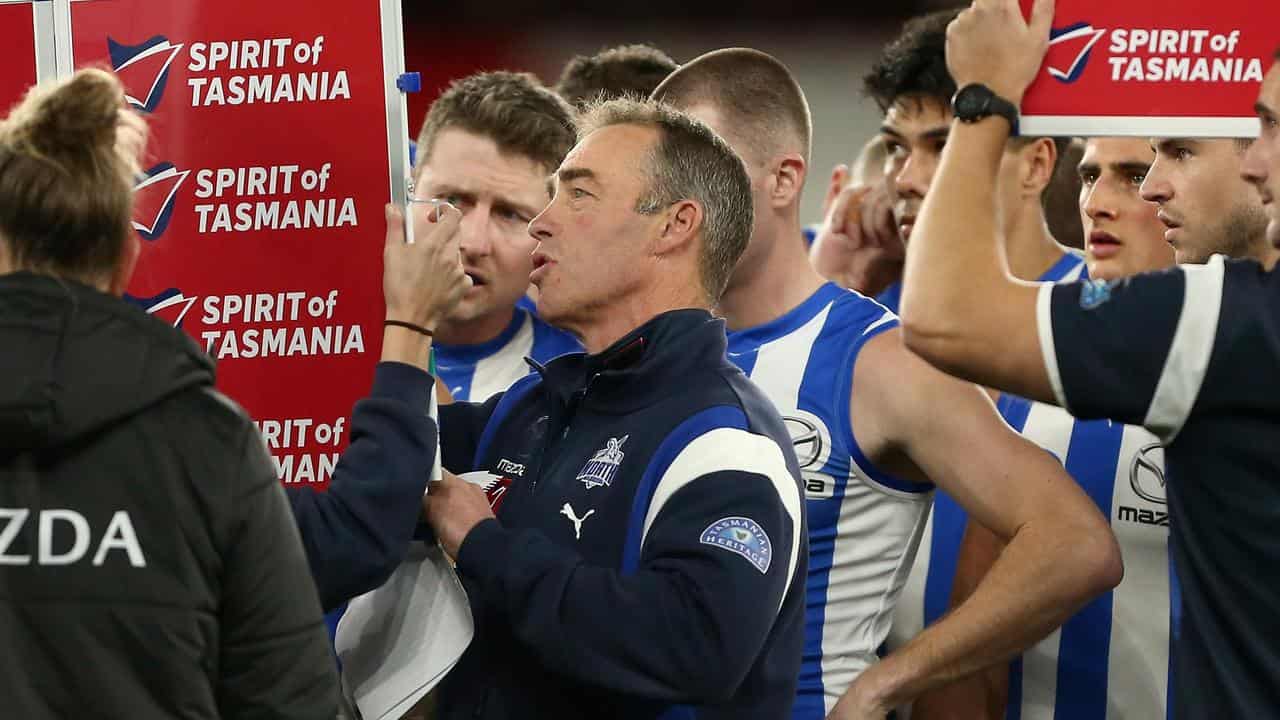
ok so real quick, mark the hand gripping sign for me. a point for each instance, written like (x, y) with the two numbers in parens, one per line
(1170, 68)
(276, 130)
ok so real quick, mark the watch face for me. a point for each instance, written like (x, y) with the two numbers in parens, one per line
(972, 102)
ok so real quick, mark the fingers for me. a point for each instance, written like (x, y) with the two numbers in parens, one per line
(1041, 17)
(877, 214)
(846, 214)
(395, 224)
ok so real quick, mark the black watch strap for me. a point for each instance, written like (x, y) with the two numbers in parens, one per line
(975, 102)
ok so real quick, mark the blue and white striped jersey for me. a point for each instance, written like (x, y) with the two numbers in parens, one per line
(475, 372)
(1111, 660)
(863, 522)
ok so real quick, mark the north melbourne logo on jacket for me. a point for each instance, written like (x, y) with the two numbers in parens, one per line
(602, 466)
(741, 536)
(144, 69)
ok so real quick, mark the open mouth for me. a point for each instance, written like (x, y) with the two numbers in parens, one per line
(1103, 244)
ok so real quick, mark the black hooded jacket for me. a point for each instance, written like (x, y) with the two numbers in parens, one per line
(149, 563)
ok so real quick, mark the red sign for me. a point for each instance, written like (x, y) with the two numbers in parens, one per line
(17, 53)
(261, 210)
(1174, 68)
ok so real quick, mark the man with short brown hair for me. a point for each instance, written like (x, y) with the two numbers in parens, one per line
(487, 146)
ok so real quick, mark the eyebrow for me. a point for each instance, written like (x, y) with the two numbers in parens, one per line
(500, 201)
(936, 133)
(1162, 145)
(1260, 108)
(1120, 166)
(570, 174)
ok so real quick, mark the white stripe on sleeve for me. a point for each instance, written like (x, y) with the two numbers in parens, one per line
(732, 449)
(1044, 326)
(1189, 354)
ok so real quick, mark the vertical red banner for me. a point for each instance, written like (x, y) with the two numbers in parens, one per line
(17, 52)
(261, 213)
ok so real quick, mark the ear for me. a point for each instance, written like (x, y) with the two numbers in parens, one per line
(124, 269)
(682, 223)
(788, 181)
(839, 177)
(1038, 161)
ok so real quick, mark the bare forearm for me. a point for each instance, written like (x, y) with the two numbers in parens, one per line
(985, 693)
(981, 696)
(1043, 577)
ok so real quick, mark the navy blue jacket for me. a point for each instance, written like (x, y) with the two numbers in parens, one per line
(357, 533)
(648, 558)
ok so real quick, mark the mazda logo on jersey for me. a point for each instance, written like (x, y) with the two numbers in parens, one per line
(1146, 473)
(811, 441)
(806, 440)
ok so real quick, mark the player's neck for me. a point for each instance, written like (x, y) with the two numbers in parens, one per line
(777, 281)
(1031, 249)
(475, 332)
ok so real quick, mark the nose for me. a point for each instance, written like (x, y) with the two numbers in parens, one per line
(473, 232)
(1095, 202)
(1156, 187)
(913, 179)
(542, 226)
(1253, 168)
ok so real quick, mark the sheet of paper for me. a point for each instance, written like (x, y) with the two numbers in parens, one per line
(397, 642)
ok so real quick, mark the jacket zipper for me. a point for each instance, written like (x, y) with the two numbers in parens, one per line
(555, 435)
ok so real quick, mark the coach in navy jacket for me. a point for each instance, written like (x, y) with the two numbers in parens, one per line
(648, 557)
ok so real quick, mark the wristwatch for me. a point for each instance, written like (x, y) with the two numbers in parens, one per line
(974, 102)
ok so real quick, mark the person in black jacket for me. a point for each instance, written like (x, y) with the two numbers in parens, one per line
(149, 564)
(648, 552)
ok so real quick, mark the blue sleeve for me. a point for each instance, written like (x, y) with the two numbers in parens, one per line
(356, 534)
(687, 624)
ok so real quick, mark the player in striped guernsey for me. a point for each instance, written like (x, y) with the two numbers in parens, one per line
(912, 85)
(1111, 660)
(1189, 353)
(487, 146)
(861, 414)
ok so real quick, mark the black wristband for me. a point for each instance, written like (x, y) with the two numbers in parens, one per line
(416, 328)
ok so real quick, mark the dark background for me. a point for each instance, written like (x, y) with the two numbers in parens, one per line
(828, 46)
